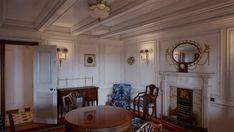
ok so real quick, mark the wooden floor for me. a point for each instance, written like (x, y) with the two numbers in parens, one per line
(35, 127)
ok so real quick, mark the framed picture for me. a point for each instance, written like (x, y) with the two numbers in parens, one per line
(90, 60)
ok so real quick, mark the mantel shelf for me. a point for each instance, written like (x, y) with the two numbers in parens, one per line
(186, 74)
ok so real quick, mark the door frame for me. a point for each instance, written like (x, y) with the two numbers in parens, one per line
(3, 44)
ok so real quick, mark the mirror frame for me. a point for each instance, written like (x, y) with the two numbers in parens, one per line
(187, 42)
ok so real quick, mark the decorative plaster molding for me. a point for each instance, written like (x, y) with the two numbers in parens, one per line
(188, 15)
(204, 26)
(52, 12)
(118, 13)
(58, 29)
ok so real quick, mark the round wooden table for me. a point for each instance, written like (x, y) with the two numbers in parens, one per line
(98, 119)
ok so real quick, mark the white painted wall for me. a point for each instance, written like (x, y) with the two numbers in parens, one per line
(108, 69)
(18, 75)
(112, 64)
(220, 56)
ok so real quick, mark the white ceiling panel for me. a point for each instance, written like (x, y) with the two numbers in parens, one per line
(127, 19)
(23, 10)
(157, 4)
(78, 12)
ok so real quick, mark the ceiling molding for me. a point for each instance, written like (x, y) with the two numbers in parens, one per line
(18, 23)
(115, 14)
(210, 11)
(58, 29)
(204, 26)
(54, 10)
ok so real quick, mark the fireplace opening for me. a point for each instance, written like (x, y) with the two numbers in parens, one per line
(183, 112)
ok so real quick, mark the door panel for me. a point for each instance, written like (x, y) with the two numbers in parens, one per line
(45, 84)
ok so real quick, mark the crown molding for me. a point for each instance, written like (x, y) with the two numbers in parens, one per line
(52, 12)
(184, 30)
(41, 22)
(187, 15)
(138, 4)
(58, 29)
(17, 23)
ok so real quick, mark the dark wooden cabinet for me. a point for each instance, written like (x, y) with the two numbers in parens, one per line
(90, 94)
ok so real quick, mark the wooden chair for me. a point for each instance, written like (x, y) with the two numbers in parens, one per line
(146, 100)
(11, 121)
(70, 101)
(150, 127)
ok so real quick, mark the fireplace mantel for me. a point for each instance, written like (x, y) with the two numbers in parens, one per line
(190, 80)
(187, 74)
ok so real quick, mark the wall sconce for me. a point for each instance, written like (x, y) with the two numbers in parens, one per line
(62, 54)
(145, 54)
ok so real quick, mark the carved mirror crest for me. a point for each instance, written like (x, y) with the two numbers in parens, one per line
(186, 53)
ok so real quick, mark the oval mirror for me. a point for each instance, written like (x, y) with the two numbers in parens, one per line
(186, 52)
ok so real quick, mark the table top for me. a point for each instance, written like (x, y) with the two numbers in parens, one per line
(96, 117)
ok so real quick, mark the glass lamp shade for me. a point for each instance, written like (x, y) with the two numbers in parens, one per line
(99, 11)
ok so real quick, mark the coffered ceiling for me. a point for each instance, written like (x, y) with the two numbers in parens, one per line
(128, 18)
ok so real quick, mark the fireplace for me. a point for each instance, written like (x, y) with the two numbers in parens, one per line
(185, 94)
(185, 106)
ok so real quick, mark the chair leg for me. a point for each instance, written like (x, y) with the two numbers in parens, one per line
(155, 110)
(134, 109)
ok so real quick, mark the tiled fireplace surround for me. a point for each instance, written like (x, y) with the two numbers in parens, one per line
(193, 81)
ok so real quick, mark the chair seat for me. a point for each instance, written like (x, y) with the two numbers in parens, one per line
(121, 103)
(141, 103)
(136, 123)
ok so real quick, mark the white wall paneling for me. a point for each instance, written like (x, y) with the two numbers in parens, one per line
(228, 91)
(66, 70)
(113, 64)
(109, 63)
(86, 48)
(216, 39)
(140, 73)
(221, 118)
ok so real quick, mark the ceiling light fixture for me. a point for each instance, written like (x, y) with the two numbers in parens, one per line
(99, 10)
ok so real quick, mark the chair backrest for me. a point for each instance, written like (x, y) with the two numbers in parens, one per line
(121, 91)
(70, 101)
(11, 121)
(150, 127)
(152, 90)
(121, 95)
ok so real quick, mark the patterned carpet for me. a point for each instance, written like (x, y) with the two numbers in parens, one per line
(20, 118)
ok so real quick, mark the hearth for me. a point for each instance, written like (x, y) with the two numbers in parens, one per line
(182, 111)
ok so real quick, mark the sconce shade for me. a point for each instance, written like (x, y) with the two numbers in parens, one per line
(145, 54)
(62, 54)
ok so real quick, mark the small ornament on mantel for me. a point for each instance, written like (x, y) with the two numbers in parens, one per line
(182, 67)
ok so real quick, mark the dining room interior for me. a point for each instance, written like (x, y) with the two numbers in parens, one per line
(164, 65)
